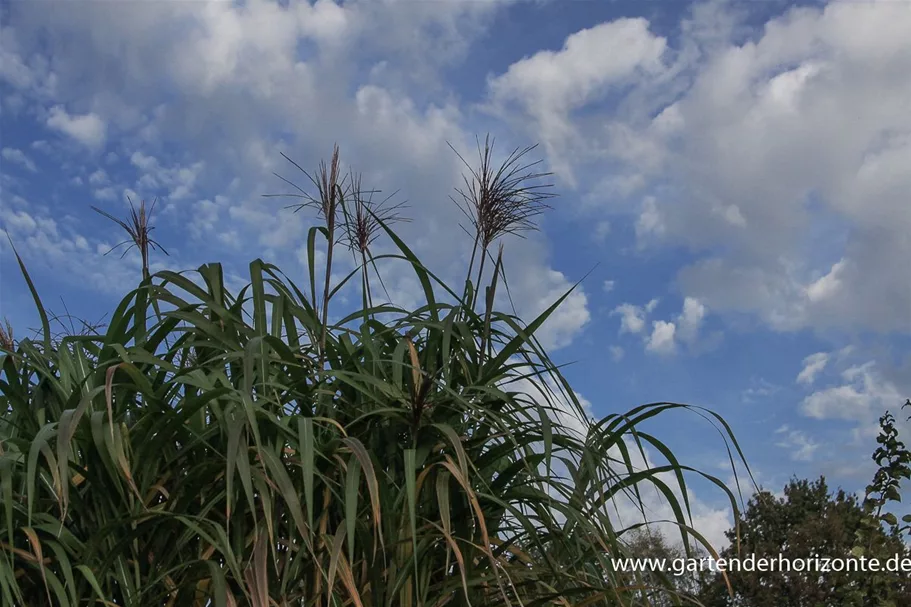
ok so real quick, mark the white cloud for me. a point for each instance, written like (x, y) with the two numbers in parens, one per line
(143, 162)
(18, 222)
(690, 320)
(813, 365)
(18, 157)
(608, 286)
(534, 288)
(23, 72)
(665, 335)
(88, 129)
(260, 79)
(45, 242)
(590, 60)
(106, 193)
(99, 177)
(650, 222)
(206, 215)
(661, 341)
(802, 447)
(632, 318)
(851, 391)
(178, 182)
(757, 118)
(549, 85)
(828, 286)
(759, 389)
(862, 396)
(779, 160)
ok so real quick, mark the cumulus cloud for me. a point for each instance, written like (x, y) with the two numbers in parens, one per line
(690, 320)
(106, 193)
(665, 336)
(661, 340)
(861, 395)
(590, 59)
(45, 241)
(266, 78)
(177, 182)
(650, 223)
(99, 177)
(813, 365)
(632, 317)
(759, 389)
(18, 157)
(87, 129)
(846, 392)
(801, 446)
(550, 84)
(778, 158)
(773, 108)
(206, 214)
(534, 289)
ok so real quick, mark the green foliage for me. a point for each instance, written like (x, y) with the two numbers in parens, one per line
(222, 448)
(894, 465)
(809, 522)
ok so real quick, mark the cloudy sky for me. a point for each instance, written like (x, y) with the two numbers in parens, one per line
(735, 175)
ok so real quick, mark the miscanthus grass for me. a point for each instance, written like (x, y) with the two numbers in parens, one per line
(210, 447)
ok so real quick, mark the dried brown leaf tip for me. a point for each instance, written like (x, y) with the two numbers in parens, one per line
(505, 198)
(138, 225)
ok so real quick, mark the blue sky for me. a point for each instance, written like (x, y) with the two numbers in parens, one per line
(734, 172)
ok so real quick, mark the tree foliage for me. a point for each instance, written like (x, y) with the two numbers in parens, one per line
(810, 522)
(893, 462)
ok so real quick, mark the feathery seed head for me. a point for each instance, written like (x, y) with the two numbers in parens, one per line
(363, 221)
(502, 199)
(139, 228)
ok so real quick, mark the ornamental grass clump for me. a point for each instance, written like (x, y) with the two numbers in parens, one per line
(212, 447)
